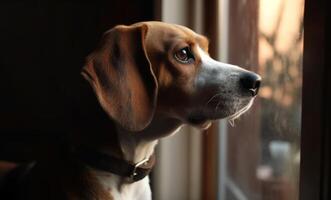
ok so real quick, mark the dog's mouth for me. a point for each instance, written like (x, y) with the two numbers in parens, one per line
(227, 110)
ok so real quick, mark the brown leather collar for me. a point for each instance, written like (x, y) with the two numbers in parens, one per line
(101, 161)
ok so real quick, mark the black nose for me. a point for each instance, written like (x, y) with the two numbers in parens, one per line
(250, 82)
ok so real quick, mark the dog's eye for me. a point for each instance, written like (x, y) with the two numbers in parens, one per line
(184, 55)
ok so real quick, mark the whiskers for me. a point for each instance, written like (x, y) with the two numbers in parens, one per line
(213, 97)
(240, 112)
(219, 101)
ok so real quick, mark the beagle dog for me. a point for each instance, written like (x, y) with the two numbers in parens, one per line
(150, 78)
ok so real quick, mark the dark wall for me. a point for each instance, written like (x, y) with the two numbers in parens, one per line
(43, 47)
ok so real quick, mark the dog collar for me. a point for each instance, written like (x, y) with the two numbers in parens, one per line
(101, 161)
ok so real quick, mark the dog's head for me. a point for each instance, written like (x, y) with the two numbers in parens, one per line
(154, 68)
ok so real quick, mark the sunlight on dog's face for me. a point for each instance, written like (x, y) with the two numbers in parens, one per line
(192, 86)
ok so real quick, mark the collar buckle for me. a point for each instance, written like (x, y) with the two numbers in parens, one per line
(135, 167)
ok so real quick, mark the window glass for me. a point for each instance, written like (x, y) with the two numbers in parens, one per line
(261, 155)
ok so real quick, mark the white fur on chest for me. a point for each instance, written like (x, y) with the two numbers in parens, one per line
(139, 190)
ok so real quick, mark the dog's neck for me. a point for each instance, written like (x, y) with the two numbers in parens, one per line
(137, 146)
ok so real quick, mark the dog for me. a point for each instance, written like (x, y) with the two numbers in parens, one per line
(149, 78)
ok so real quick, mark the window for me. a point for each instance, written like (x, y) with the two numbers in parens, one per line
(259, 157)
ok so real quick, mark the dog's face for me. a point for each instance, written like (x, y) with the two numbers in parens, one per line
(154, 68)
(192, 86)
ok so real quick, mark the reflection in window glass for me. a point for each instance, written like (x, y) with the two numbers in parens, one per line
(263, 149)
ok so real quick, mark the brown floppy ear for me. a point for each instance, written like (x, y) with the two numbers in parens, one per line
(122, 78)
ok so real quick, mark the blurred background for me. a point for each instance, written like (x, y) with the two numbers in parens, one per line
(44, 45)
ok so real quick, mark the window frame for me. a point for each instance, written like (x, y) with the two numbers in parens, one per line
(315, 138)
